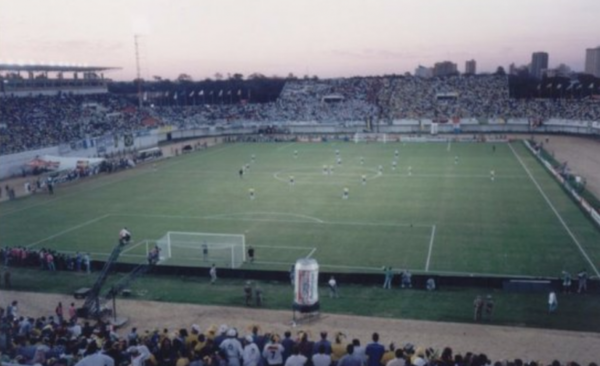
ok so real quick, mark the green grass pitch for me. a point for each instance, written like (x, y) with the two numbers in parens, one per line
(439, 211)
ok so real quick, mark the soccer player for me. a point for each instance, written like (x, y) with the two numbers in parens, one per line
(493, 148)
(394, 163)
(253, 158)
(242, 173)
(204, 251)
(325, 170)
(409, 170)
(333, 288)
(339, 160)
(213, 274)
(492, 175)
(396, 153)
(362, 160)
(456, 159)
(346, 193)
(251, 192)
(251, 254)
(331, 170)
(292, 182)
(124, 236)
(337, 152)
(380, 169)
(295, 154)
(248, 293)
(364, 180)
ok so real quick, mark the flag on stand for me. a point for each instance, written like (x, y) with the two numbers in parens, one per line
(201, 92)
(192, 94)
(239, 92)
(221, 93)
(175, 96)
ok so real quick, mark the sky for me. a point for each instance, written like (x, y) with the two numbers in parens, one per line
(327, 38)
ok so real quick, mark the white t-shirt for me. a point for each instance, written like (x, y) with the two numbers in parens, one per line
(251, 355)
(296, 360)
(321, 359)
(273, 353)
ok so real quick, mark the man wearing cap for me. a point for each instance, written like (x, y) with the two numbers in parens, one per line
(251, 353)
(232, 347)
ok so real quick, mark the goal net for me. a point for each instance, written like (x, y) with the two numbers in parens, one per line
(224, 250)
(370, 137)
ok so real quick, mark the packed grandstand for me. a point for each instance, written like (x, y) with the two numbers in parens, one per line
(34, 122)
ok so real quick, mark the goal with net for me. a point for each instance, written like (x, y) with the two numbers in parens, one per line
(370, 137)
(225, 250)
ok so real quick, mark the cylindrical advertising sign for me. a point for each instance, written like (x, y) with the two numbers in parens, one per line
(306, 285)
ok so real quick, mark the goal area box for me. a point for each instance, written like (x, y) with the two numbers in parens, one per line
(224, 250)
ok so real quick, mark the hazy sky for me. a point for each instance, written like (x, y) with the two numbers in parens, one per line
(323, 37)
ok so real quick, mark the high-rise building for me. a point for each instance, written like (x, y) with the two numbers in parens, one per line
(539, 63)
(423, 72)
(471, 67)
(444, 68)
(592, 61)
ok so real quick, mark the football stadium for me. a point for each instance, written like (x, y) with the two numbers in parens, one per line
(270, 221)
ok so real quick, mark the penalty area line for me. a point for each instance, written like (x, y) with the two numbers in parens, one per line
(430, 248)
(73, 228)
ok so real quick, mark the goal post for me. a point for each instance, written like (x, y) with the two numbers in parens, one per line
(225, 250)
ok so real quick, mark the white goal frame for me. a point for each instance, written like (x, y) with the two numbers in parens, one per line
(237, 244)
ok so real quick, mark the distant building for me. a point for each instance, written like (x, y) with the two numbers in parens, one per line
(539, 63)
(444, 68)
(471, 67)
(512, 69)
(592, 61)
(423, 72)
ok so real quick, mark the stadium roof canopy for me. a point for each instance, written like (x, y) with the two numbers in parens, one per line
(53, 67)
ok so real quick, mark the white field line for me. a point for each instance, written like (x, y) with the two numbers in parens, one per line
(430, 249)
(141, 171)
(67, 195)
(102, 254)
(351, 223)
(133, 246)
(564, 224)
(282, 247)
(285, 146)
(73, 228)
(311, 252)
(265, 213)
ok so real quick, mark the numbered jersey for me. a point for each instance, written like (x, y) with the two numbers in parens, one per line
(273, 353)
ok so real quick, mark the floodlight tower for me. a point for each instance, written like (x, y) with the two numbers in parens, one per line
(137, 68)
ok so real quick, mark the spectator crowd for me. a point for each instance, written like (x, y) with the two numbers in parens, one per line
(39, 121)
(63, 339)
